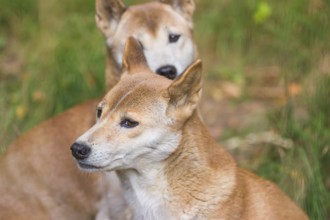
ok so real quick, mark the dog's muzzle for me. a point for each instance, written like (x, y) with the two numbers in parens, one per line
(168, 71)
(80, 151)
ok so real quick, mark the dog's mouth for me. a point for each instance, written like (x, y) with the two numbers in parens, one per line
(88, 167)
(85, 166)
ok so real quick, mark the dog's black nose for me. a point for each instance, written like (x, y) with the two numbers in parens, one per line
(168, 71)
(80, 151)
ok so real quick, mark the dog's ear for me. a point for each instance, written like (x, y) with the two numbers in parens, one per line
(108, 14)
(184, 92)
(184, 7)
(133, 58)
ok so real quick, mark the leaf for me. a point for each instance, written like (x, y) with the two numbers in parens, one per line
(262, 13)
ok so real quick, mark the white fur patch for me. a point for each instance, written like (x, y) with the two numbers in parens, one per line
(142, 193)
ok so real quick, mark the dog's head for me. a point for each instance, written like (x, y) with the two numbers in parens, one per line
(140, 120)
(163, 28)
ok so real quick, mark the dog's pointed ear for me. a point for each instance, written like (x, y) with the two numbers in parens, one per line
(184, 7)
(108, 14)
(185, 91)
(133, 58)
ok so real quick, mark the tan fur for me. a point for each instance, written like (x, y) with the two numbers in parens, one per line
(38, 179)
(169, 165)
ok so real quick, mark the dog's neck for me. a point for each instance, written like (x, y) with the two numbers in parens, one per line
(181, 186)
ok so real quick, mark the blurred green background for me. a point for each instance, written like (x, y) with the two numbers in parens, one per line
(276, 53)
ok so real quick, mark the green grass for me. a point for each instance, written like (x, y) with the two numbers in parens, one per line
(52, 57)
(306, 166)
(63, 61)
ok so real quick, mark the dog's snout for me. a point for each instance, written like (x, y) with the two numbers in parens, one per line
(80, 151)
(168, 71)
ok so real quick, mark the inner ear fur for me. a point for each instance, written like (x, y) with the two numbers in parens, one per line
(186, 90)
(108, 14)
(133, 58)
(184, 7)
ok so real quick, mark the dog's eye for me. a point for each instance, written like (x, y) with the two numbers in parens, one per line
(98, 112)
(128, 123)
(173, 38)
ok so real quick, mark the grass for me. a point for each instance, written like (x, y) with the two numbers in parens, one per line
(59, 66)
(52, 57)
(307, 165)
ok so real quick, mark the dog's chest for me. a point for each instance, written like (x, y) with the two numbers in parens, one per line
(148, 197)
(151, 199)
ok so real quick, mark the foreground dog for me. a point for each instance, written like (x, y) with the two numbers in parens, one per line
(38, 179)
(149, 131)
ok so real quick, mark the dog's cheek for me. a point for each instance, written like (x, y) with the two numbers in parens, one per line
(134, 133)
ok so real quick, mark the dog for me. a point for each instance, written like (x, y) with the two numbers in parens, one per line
(149, 131)
(163, 28)
(38, 178)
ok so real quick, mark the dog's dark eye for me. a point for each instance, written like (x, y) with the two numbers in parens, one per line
(98, 112)
(172, 38)
(128, 123)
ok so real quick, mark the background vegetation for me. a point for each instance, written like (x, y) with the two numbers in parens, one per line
(272, 52)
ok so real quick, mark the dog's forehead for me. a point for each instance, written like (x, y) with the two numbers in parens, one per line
(152, 16)
(138, 89)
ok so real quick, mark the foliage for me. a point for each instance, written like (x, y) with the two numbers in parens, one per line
(306, 166)
(52, 63)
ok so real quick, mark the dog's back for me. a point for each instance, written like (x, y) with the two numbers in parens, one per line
(38, 179)
(265, 200)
